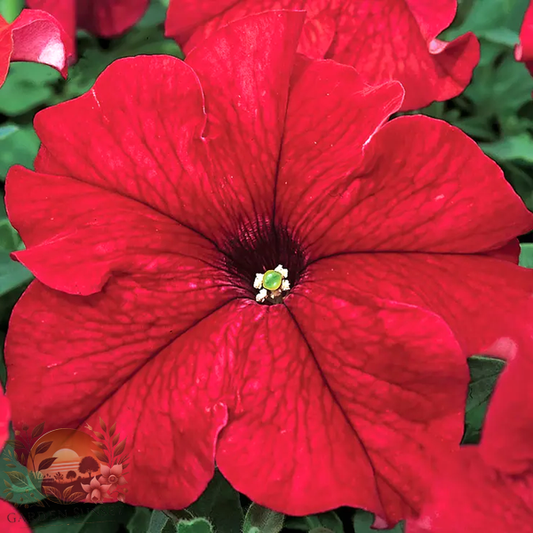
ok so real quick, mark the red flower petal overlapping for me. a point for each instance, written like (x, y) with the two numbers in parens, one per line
(166, 202)
(105, 18)
(34, 36)
(382, 39)
(499, 469)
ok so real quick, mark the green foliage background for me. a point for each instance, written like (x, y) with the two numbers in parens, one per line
(496, 110)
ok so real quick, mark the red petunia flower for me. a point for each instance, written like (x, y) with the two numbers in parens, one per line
(489, 488)
(105, 18)
(33, 36)
(382, 39)
(174, 202)
(10, 519)
(524, 50)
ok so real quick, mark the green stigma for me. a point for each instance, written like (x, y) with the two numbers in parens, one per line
(272, 280)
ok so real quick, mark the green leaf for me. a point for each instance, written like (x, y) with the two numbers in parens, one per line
(500, 88)
(501, 35)
(520, 176)
(27, 86)
(7, 129)
(9, 239)
(10, 9)
(259, 519)
(484, 372)
(196, 525)
(517, 147)
(26, 488)
(158, 521)
(140, 520)
(526, 255)
(108, 518)
(488, 14)
(12, 274)
(329, 520)
(363, 520)
(18, 148)
(221, 504)
(72, 525)
(154, 16)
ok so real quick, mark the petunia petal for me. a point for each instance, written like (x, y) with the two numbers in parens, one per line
(245, 70)
(190, 23)
(499, 468)
(140, 130)
(508, 252)
(324, 146)
(11, 521)
(181, 396)
(5, 417)
(284, 410)
(184, 16)
(64, 11)
(469, 496)
(6, 49)
(317, 35)
(88, 347)
(464, 290)
(353, 396)
(86, 487)
(382, 39)
(508, 429)
(106, 234)
(105, 471)
(395, 39)
(33, 36)
(432, 17)
(38, 37)
(138, 133)
(418, 191)
(109, 18)
(105, 18)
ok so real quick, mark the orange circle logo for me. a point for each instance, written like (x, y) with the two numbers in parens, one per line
(67, 463)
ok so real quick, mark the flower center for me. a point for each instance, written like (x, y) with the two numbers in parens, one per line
(272, 284)
(251, 253)
(272, 280)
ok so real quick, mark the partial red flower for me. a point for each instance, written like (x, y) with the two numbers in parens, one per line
(33, 36)
(105, 18)
(160, 200)
(10, 519)
(524, 50)
(489, 488)
(382, 39)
